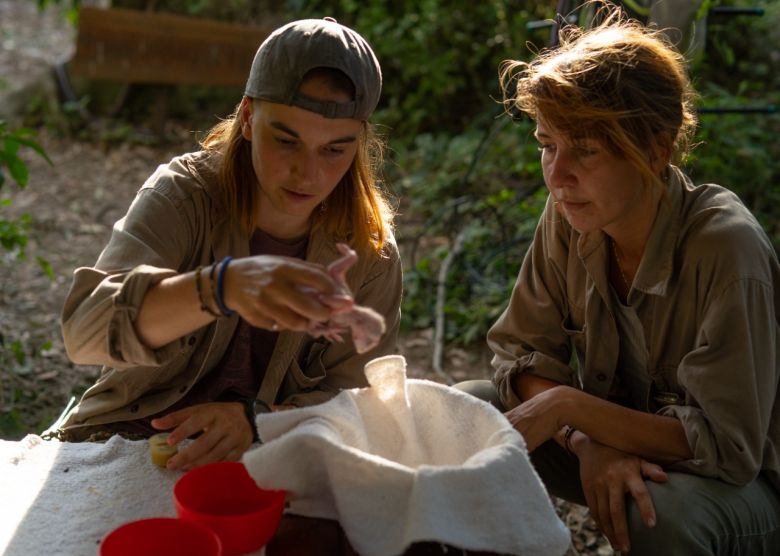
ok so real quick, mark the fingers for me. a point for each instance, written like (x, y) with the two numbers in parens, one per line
(224, 434)
(602, 514)
(653, 471)
(618, 521)
(641, 495)
(286, 292)
(607, 476)
(210, 447)
(171, 421)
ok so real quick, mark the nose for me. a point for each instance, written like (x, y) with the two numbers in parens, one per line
(558, 170)
(305, 169)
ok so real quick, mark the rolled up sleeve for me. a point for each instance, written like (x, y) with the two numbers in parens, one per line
(529, 337)
(731, 381)
(146, 246)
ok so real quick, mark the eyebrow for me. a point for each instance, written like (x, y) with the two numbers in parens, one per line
(574, 140)
(283, 128)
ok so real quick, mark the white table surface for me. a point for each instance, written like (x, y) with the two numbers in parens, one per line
(62, 498)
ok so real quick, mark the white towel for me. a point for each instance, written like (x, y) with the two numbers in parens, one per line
(406, 461)
(58, 498)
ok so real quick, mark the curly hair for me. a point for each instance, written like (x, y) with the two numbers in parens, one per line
(619, 83)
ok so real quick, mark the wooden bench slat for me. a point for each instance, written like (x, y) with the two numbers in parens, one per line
(146, 47)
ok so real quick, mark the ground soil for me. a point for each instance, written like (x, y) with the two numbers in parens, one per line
(74, 203)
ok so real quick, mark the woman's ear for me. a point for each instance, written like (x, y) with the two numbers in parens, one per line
(662, 153)
(245, 113)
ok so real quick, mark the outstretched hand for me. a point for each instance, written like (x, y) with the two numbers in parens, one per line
(281, 292)
(225, 433)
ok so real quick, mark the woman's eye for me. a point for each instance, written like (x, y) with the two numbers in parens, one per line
(334, 151)
(285, 141)
(584, 152)
(543, 147)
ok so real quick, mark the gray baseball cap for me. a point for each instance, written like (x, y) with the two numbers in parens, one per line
(291, 51)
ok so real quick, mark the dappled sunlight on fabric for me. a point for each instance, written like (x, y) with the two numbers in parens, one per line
(20, 488)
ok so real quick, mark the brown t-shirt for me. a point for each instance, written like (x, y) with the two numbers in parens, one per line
(241, 370)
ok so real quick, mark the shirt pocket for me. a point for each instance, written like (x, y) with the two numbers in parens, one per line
(307, 371)
(665, 390)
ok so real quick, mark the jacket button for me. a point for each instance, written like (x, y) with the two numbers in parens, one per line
(134, 408)
(601, 377)
(192, 340)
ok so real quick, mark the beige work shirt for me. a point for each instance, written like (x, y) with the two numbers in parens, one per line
(174, 224)
(706, 293)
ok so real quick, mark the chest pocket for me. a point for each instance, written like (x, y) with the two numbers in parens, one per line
(308, 370)
(665, 389)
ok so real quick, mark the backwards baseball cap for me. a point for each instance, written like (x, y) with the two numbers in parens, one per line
(291, 51)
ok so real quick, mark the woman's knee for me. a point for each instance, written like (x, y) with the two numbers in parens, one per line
(482, 389)
(671, 534)
(702, 516)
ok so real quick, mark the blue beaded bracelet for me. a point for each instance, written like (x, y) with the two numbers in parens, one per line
(220, 285)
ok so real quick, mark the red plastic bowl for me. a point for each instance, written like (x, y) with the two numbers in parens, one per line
(161, 536)
(223, 497)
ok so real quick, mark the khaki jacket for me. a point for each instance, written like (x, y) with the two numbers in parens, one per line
(174, 224)
(707, 293)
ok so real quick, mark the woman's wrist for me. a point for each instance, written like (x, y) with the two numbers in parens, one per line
(203, 291)
(569, 405)
(220, 290)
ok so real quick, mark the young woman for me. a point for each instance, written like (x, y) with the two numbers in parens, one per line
(667, 424)
(198, 307)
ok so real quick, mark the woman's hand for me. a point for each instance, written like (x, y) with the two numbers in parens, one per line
(607, 475)
(539, 418)
(281, 292)
(225, 433)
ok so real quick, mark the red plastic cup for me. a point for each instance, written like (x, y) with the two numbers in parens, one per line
(223, 497)
(161, 536)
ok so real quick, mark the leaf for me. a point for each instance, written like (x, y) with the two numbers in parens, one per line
(19, 171)
(45, 346)
(18, 350)
(10, 145)
(37, 148)
(46, 267)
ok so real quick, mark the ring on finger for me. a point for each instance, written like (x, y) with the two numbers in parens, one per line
(275, 327)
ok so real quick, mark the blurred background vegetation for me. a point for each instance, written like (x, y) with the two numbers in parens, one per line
(467, 179)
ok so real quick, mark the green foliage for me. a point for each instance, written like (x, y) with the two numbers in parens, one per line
(15, 354)
(439, 58)
(239, 11)
(14, 232)
(482, 190)
(18, 388)
(70, 8)
(741, 151)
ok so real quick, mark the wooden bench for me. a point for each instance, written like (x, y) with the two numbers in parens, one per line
(133, 46)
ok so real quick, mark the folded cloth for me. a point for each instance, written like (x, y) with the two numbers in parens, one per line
(406, 461)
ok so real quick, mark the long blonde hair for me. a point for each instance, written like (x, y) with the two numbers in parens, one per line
(618, 83)
(357, 211)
